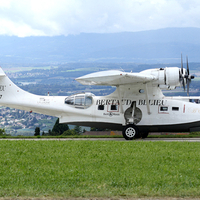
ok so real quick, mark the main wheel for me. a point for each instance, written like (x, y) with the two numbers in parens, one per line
(130, 132)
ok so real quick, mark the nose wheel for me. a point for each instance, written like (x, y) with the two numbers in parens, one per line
(130, 132)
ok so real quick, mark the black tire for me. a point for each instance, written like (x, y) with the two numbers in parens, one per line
(145, 135)
(130, 132)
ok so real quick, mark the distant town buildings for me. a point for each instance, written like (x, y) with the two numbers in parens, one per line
(19, 122)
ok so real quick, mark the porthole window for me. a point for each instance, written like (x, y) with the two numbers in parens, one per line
(141, 91)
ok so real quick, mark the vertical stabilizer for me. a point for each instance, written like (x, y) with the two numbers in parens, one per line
(2, 74)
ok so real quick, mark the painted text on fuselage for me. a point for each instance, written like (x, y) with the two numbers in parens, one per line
(153, 102)
(113, 102)
(127, 102)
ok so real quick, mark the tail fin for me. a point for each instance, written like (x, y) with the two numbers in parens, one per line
(9, 92)
(2, 74)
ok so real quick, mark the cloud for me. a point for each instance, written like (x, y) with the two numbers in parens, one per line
(63, 17)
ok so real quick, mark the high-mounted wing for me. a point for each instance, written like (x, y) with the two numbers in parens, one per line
(114, 78)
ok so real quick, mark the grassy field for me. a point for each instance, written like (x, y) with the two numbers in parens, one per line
(99, 169)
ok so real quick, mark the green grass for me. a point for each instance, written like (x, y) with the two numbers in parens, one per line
(99, 169)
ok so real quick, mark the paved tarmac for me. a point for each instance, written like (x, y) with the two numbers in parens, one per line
(173, 139)
(113, 139)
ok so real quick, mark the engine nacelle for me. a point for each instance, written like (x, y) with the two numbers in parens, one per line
(166, 78)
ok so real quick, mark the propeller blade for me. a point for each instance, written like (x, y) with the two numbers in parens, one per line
(184, 75)
(188, 71)
(183, 84)
(188, 86)
(181, 64)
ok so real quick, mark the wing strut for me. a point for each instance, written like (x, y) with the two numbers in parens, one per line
(120, 100)
(133, 110)
(147, 99)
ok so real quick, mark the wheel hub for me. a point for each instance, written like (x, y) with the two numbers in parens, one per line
(130, 132)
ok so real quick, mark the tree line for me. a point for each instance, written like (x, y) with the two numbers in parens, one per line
(59, 129)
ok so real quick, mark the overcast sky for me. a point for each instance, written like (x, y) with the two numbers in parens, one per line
(62, 17)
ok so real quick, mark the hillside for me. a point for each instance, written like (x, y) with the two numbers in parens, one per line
(155, 46)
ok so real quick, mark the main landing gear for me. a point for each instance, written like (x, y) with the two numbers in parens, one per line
(131, 132)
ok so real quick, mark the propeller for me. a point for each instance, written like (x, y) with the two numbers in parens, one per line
(181, 79)
(185, 77)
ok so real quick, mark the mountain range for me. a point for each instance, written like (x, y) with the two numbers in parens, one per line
(154, 46)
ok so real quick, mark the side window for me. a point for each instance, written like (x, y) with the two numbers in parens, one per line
(113, 107)
(175, 108)
(163, 108)
(101, 107)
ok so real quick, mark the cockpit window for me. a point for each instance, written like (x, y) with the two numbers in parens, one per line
(197, 101)
(82, 101)
(88, 101)
(69, 100)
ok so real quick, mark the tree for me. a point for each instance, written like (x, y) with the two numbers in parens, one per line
(69, 132)
(2, 132)
(59, 129)
(49, 132)
(37, 131)
(77, 129)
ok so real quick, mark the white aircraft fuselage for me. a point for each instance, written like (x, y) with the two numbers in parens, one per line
(137, 106)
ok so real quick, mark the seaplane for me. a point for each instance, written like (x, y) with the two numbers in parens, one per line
(137, 106)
